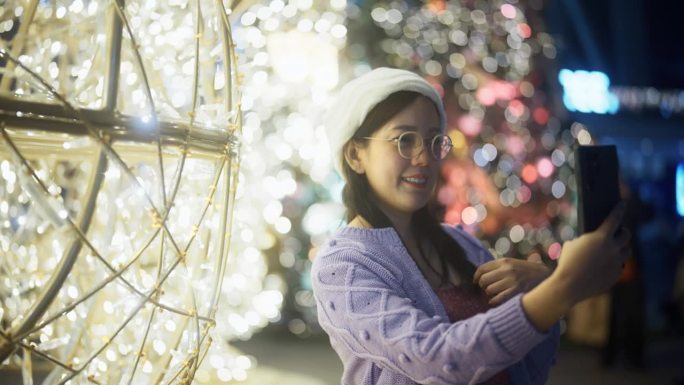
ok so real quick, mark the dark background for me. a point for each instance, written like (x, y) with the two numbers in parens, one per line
(634, 41)
(637, 44)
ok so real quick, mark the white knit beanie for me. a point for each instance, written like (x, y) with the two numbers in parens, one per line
(360, 95)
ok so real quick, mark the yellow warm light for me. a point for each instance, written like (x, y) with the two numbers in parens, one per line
(119, 151)
(304, 56)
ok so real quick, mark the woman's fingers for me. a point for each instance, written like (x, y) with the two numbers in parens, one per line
(519, 274)
(493, 271)
(502, 297)
(489, 278)
(500, 286)
(484, 269)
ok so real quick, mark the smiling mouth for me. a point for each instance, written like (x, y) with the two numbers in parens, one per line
(419, 181)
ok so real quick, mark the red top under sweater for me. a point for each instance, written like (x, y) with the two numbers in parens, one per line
(459, 305)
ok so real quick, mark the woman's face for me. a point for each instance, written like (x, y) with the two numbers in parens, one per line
(402, 186)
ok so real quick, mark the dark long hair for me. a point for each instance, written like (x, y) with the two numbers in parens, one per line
(357, 194)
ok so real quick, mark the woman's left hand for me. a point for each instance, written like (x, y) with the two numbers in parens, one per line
(503, 278)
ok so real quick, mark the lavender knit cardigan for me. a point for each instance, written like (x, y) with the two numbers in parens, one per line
(389, 327)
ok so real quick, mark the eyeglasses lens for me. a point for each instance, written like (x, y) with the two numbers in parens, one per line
(410, 144)
(441, 145)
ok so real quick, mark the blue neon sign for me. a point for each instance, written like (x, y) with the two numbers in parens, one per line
(588, 92)
(679, 189)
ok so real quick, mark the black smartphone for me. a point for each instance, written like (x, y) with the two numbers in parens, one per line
(598, 188)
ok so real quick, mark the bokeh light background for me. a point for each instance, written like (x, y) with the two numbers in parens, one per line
(509, 180)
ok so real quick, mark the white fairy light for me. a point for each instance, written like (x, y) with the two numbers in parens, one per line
(146, 305)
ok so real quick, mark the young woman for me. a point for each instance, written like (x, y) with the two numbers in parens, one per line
(408, 300)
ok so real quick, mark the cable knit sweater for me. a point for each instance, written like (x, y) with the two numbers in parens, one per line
(389, 327)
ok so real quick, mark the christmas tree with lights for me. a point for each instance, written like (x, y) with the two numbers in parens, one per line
(509, 179)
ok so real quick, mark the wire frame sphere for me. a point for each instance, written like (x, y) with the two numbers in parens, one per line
(119, 154)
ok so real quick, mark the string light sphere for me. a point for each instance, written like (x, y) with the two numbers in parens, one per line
(119, 155)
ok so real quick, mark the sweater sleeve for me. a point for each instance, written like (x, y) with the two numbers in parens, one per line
(539, 360)
(363, 308)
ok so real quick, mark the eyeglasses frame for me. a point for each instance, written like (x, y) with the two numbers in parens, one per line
(422, 143)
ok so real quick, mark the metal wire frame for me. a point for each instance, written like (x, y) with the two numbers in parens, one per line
(106, 127)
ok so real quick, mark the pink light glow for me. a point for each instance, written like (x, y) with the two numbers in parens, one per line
(541, 115)
(469, 125)
(515, 145)
(524, 194)
(505, 90)
(545, 167)
(486, 96)
(446, 195)
(452, 216)
(524, 30)
(495, 90)
(438, 87)
(517, 108)
(555, 251)
(508, 11)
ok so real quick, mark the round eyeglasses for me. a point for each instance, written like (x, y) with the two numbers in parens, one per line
(410, 144)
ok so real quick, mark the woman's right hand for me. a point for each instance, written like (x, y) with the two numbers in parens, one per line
(592, 263)
(588, 265)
